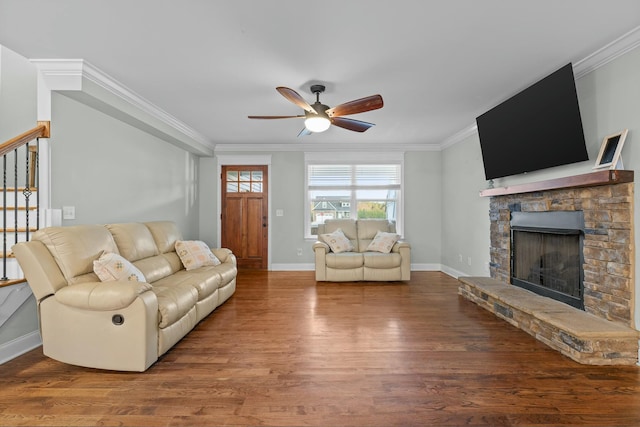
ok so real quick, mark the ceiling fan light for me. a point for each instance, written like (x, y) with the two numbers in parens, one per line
(317, 124)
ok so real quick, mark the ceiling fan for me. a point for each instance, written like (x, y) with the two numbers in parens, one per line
(318, 117)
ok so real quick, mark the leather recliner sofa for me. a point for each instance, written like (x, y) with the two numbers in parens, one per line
(119, 325)
(360, 263)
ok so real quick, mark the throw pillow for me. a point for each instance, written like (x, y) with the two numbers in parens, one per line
(111, 266)
(195, 254)
(337, 241)
(383, 242)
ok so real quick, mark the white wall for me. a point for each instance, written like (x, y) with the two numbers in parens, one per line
(609, 100)
(112, 172)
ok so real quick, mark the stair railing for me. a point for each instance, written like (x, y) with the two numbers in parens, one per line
(28, 170)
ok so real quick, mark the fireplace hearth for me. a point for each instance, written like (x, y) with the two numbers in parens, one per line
(546, 254)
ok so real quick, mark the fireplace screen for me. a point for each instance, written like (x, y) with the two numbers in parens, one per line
(549, 264)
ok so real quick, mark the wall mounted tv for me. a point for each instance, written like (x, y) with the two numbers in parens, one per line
(538, 128)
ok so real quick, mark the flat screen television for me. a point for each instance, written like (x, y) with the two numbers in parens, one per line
(538, 128)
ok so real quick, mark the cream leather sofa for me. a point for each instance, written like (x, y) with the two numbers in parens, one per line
(118, 325)
(360, 264)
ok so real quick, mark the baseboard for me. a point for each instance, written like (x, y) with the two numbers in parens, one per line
(16, 347)
(312, 267)
(293, 267)
(452, 272)
(426, 267)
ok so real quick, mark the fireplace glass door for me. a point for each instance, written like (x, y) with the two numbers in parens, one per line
(549, 264)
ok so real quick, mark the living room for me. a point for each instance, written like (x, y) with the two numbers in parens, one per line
(100, 165)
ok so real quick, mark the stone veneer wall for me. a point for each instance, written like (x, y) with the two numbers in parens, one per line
(608, 243)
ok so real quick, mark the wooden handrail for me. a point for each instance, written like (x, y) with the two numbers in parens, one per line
(40, 131)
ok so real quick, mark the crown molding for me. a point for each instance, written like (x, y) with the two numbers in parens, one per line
(459, 136)
(324, 147)
(622, 45)
(86, 83)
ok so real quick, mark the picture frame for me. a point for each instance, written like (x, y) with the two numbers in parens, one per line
(610, 150)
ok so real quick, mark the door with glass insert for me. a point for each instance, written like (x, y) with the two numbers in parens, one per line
(244, 214)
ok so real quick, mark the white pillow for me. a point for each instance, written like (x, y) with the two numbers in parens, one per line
(111, 266)
(383, 242)
(195, 254)
(337, 241)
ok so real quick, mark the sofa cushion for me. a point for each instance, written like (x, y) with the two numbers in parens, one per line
(368, 228)
(195, 254)
(227, 272)
(76, 247)
(337, 241)
(134, 240)
(383, 242)
(345, 260)
(110, 267)
(174, 301)
(205, 282)
(155, 268)
(165, 234)
(380, 260)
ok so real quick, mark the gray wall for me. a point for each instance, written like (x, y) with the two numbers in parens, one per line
(17, 115)
(17, 94)
(609, 101)
(422, 179)
(112, 172)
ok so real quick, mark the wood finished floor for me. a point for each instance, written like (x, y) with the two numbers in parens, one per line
(287, 351)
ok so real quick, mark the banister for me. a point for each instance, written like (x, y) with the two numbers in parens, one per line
(40, 131)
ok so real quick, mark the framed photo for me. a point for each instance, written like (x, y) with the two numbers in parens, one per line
(610, 151)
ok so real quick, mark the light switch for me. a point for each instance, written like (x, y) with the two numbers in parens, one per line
(68, 212)
(279, 212)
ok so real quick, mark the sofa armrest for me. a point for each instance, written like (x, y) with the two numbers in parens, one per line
(404, 249)
(224, 255)
(321, 246)
(101, 296)
(320, 250)
(400, 245)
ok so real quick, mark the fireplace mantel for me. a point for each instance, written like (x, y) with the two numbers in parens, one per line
(593, 179)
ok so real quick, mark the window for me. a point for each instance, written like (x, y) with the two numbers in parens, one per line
(359, 186)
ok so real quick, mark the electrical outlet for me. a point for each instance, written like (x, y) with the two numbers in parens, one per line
(299, 251)
(68, 212)
(469, 260)
(459, 257)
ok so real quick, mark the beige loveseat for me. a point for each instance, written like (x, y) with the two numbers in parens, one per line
(359, 263)
(120, 325)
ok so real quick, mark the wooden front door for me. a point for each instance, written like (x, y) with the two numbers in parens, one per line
(244, 214)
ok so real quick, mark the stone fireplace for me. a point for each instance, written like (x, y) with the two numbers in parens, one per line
(578, 249)
(608, 248)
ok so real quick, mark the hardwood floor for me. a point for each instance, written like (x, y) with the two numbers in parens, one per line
(287, 351)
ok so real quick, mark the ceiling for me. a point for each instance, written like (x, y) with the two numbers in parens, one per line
(211, 63)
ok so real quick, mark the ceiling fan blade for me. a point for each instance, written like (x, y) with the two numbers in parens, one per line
(350, 124)
(295, 97)
(304, 132)
(369, 103)
(275, 117)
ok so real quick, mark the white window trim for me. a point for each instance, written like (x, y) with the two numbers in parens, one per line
(352, 158)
